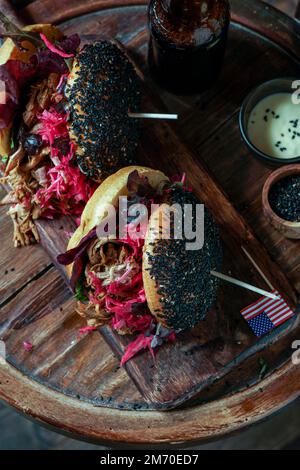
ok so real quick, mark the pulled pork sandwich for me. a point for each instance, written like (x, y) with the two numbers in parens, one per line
(148, 285)
(64, 122)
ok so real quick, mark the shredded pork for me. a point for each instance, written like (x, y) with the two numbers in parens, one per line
(108, 262)
(23, 172)
(40, 175)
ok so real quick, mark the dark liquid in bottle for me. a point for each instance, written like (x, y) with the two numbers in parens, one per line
(187, 42)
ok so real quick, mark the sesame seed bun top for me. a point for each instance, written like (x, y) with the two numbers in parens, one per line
(179, 288)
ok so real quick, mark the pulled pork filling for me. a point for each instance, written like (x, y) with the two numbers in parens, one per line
(113, 291)
(108, 281)
(42, 173)
(114, 276)
(41, 170)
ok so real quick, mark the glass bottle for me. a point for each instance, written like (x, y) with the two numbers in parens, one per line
(187, 42)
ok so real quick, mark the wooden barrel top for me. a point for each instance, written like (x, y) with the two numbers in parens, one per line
(99, 402)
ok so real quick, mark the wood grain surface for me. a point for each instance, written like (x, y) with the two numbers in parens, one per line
(174, 428)
(207, 122)
(181, 371)
(8, 9)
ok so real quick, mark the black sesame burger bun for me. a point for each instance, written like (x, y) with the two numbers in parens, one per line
(109, 192)
(178, 285)
(179, 288)
(102, 88)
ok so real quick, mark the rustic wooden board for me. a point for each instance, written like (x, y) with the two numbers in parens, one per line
(215, 346)
(12, 275)
(227, 410)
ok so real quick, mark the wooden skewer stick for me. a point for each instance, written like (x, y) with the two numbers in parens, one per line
(7, 201)
(258, 268)
(153, 116)
(244, 285)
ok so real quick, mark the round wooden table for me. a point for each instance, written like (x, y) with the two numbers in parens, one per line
(80, 388)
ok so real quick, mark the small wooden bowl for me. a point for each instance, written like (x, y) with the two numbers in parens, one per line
(288, 229)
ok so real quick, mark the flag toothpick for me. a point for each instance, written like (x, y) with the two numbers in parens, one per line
(264, 315)
(244, 285)
(269, 284)
(153, 116)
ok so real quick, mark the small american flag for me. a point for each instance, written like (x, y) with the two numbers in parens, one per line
(265, 314)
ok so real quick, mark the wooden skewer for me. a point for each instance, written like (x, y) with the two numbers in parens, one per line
(7, 201)
(258, 268)
(244, 285)
(153, 116)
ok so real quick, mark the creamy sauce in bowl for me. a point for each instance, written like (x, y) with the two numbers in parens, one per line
(274, 126)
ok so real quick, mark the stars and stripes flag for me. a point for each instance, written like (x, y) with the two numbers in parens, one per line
(266, 314)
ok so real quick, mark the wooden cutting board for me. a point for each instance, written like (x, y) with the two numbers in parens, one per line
(181, 370)
(74, 383)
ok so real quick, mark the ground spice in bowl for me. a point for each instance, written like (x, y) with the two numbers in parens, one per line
(284, 198)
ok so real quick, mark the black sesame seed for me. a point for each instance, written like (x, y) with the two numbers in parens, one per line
(107, 87)
(284, 198)
(186, 289)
